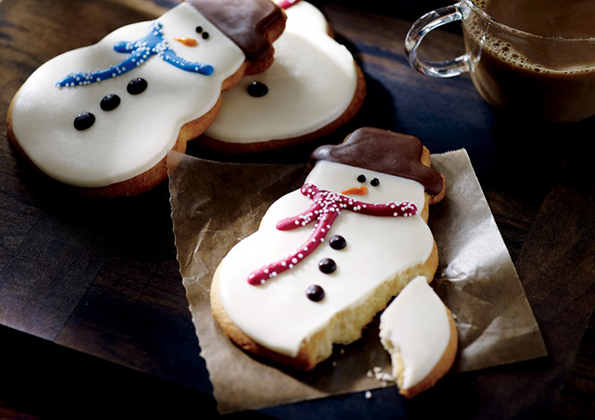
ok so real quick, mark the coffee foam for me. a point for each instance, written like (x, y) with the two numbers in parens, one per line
(505, 51)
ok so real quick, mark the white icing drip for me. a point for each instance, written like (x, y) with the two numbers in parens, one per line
(416, 325)
(135, 136)
(311, 83)
(278, 314)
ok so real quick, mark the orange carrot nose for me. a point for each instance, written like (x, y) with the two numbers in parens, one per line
(189, 42)
(356, 191)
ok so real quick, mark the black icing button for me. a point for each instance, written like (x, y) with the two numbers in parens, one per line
(257, 89)
(84, 120)
(375, 182)
(315, 293)
(327, 265)
(109, 102)
(337, 242)
(205, 35)
(199, 29)
(136, 86)
(361, 178)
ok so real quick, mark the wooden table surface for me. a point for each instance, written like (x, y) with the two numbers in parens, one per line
(94, 317)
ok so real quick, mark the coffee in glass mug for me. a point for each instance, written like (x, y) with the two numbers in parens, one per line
(532, 58)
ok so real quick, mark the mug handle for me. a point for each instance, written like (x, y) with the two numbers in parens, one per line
(421, 28)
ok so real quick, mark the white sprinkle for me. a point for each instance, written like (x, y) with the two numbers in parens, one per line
(294, 260)
(368, 395)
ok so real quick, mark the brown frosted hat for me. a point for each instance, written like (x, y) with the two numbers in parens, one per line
(245, 22)
(383, 151)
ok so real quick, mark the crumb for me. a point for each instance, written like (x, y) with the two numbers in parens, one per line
(334, 363)
(368, 395)
(454, 317)
(342, 351)
(377, 373)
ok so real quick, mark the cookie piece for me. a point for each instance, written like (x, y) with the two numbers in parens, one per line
(313, 87)
(418, 331)
(104, 117)
(326, 259)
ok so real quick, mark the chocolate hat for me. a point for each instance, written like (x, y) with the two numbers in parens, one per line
(383, 151)
(245, 22)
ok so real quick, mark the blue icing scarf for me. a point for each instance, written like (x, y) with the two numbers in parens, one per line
(140, 51)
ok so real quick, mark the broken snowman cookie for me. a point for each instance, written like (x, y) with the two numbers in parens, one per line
(329, 256)
(104, 117)
(313, 87)
(418, 331)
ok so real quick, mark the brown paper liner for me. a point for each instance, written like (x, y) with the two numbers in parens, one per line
(215, 205)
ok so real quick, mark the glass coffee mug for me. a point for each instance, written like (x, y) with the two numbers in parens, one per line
(549, 78)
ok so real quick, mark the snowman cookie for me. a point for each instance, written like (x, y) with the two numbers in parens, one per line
(328, 257)
(312, 88)
(104, 117)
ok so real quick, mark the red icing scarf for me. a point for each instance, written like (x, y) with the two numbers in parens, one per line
(326, 207)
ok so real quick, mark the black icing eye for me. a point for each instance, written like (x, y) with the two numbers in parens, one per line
(205, 35)
(199, 29)
(136, 86)
(361, 178)
(84, 120)
(375, 182)
(257, 89)
(109, 102)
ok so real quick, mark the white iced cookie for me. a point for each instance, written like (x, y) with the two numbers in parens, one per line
(313, 87)
(419, 333)
(330, 256)
(109, 113)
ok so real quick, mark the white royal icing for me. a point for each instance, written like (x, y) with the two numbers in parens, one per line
(135, 136)
(311, 83)
(416, 325)
(278, 314)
